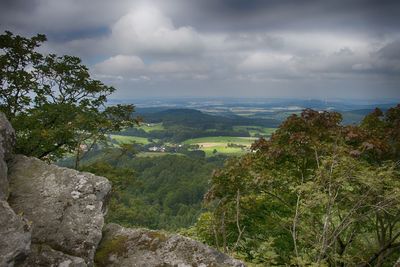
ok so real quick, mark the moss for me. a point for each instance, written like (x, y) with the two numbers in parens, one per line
(159, 235)
(156, 239)
(117, 246)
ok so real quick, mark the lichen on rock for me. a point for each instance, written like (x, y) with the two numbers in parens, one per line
(7, 140)
(146, 248)
(64, 205)
(15, 236)
(43, 255)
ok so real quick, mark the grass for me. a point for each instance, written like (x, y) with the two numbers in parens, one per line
(222, 139)
(122, 139)
(152, 127)
(223, 149)
(256, 130)
(220, 144)
(155, 154)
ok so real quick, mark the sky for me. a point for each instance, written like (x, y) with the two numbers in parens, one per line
(223, 48)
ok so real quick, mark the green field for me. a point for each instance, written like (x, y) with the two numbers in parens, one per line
(148, 127)
(220, 144)
(122, 139)
(222, 139)
(156, 154)
(256, 130)
(222, 149)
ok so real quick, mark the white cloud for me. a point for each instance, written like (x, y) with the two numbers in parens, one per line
(169, 67)
(146, 30)
(133, 68)
(120, 65)
(261, 61)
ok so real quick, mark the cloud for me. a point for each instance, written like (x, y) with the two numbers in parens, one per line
(257, 15)
(220, 47)
(390, 51)
(133, 68)
(142, 30)
(146, 30)
(58, 17)
(260, 61)
(120, 65)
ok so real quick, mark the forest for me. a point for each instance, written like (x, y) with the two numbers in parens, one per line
(310, 190)
(315, 193)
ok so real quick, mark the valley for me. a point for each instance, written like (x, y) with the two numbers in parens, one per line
(162, 167)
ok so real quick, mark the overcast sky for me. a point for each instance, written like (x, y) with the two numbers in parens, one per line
(234, 48)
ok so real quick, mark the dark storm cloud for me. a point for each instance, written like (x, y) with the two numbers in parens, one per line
(11, 12)
(61, 19)
(363, 16)
(391, 51)
(8, 7)
(218, 47)
(92, 32)
(343, 15)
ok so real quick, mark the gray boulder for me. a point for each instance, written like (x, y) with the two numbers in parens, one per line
(65, 206)
(15, 236)
(7, 140)
(145, 248)
(7, 136)
(43, 255)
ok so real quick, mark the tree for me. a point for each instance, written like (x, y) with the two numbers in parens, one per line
(52, 102)
(315, 193)
(15, 81)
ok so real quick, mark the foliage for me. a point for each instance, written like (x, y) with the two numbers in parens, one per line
(163, 192)
(52, 102)
(316, 193)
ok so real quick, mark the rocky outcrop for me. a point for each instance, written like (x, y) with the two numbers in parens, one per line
(15, 236)
(65, 206)
(43, 255)
(7, 140)
(53, 216)
(145, 248)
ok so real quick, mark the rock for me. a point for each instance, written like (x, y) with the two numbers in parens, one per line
(139, 247)
(64, 205)
(7, 140)
(7, 136)
(397, 263)
(43, 255)
(4, 191)
(15, 236)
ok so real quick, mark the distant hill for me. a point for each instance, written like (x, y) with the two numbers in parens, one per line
(356, 116)
(196, 119)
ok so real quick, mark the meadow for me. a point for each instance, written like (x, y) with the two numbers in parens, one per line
(222, 144)
(123, 139)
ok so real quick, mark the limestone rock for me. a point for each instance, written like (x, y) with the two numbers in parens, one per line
(145, 248)
(43, 255)
(7, 140)
(4, 191)
(64, 205)
(15, 236)
(7, 136)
